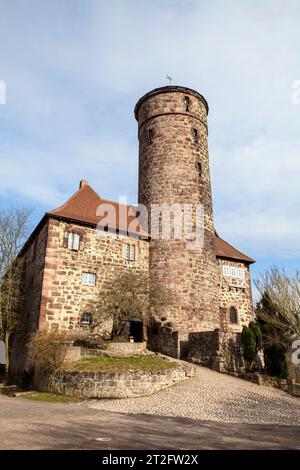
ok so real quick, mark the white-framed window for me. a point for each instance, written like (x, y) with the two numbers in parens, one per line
(130, 252)
(88, 279)
(86, 319)
(73, 241)
(241, 273)
(127, 251)
(233, 271)
(226, 271)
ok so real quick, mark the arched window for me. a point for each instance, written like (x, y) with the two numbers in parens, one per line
(233, 316)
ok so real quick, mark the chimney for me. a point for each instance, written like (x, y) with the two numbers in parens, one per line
(83, 183)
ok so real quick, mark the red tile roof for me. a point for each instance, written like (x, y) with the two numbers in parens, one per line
(82, 207)
(85, 204)
(225, 250)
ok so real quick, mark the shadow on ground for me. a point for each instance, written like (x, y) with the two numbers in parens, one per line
(27, 424)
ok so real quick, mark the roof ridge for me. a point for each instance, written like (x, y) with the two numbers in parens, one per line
(119, 203)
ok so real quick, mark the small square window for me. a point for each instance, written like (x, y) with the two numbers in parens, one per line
(226, 271)
(86, 319)
(88, 279)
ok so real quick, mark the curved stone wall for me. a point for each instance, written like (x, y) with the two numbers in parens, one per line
(113, 384)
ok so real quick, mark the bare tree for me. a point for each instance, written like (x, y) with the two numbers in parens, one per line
(279, 307)
(48, 350)
(130, 296)
(13, 233)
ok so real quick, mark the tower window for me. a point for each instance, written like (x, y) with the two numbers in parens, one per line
(195, 134)
(233, 317)
(187, 104)
(199, 168)
(86, 319)
(73, 241)
(150, 136)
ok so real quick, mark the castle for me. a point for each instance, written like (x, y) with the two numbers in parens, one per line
(67, 258)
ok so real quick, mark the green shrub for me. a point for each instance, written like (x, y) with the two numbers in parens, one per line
(274, 353)
(249, 344)
(277, 362)
(256, 330)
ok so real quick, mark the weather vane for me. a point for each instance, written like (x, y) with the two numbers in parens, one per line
(169, 78)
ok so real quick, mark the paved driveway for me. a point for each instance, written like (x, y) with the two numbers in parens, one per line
(29, 424)
(217, 397)
(211, 411)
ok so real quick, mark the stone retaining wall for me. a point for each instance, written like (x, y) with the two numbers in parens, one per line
(75, 353)
(113, 384)
(164, 339)
(219, 350)
(126, 349)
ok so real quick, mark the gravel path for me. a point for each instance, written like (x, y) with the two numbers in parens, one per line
(216, 397)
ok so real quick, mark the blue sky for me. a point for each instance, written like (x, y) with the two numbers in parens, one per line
(75, 69)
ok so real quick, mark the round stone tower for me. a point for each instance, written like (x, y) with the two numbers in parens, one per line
(174, 169)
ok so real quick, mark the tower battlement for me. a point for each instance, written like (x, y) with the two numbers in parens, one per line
(169, 89)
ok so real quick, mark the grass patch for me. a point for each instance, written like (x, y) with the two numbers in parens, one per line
(122, 364)
(49, 397)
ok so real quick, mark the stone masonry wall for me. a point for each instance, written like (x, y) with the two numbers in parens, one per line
(64, 298)
(34, 259)
(235, 293)
(219, 350)
(163, 339)
(204, 346)
(174, 168)
(113, 384)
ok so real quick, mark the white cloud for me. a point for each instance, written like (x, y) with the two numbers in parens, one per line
(74, 71)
